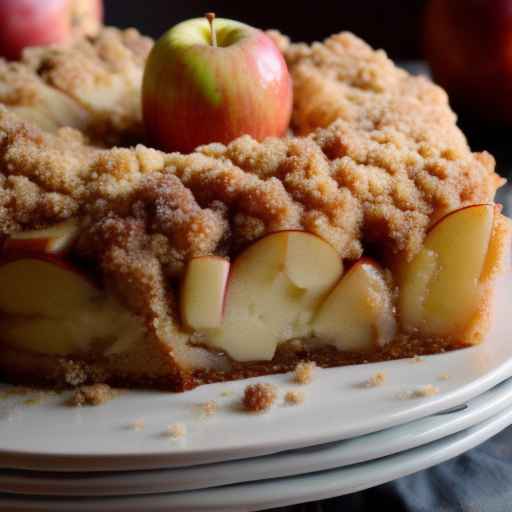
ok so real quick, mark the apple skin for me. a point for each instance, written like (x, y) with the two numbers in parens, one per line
(57, 239)
(468, 46)
(496, 207)
(194, 93)
(25, 23)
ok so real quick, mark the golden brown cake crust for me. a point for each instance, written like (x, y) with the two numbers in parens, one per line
(376, 159)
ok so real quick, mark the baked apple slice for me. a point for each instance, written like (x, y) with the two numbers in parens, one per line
(48, 306)
(358, 315)
(203, 292)
(56, 239)
(273, 291)
(43, 285)
(441, 288)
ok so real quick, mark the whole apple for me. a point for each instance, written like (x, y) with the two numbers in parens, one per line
(26, 23)
(213, 81)
(469, 47)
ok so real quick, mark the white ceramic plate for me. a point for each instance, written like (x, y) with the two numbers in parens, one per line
(295, 462)
(280, 492)
(53, 437)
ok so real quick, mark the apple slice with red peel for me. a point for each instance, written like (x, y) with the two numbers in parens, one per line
(274, 288)
(358, 314)
(55, 239)
(43, 285)
(203, 292)
(440, 287)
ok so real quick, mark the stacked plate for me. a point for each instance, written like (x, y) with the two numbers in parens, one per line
(347, 436)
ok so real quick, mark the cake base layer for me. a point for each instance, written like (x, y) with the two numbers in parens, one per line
(139, 368)
(42, 370)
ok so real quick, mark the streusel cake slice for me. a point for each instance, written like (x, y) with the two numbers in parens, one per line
(369, 233)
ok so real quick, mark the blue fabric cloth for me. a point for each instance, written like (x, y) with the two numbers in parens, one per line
(477, 481)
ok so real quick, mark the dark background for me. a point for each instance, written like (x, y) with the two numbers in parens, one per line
(390, 24)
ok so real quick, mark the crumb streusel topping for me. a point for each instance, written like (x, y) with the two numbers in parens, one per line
(259, 397)
(303, 372)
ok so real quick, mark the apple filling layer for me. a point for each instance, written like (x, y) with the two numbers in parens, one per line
(50, 307)
(289, 285)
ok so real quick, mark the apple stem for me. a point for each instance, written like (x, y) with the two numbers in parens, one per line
(210, 16)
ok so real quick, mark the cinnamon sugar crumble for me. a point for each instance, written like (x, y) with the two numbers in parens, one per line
(17, 391)
(259, 397)
(74, 373)
(177, 431)
(375, 380)
(209, 408)
(421, 392)
(95, 394)
(294, 397)
(303, 373)
(366, 177)
(138, 424)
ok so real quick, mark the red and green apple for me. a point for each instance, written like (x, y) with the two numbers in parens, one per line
(212, 80)
(25, 23)
(468, 45)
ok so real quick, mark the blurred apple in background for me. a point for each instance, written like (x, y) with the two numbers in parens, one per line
(212, 80)
(41, 22)
(469, 47)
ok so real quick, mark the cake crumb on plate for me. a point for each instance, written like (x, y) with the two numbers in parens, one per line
(259, 397)
(303, 373)
(176, 430)
(294, 397)
(138, 424)
(95, 394)
(420, 392)
(375, 380)
(444, 376)
(209, 408)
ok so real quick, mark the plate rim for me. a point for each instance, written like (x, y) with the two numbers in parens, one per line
(326, 457)
(316, 486)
